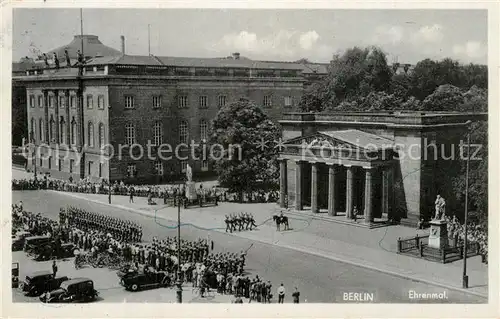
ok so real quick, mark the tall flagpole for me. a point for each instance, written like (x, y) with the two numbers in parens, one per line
(149, 39)
(81, 30)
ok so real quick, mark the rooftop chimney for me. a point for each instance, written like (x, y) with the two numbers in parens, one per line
(123, 44)
(236, 55)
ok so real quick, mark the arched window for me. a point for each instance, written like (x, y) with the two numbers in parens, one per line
(157, 133)
(62, 131)
(183, 132)
(33, 129)
(129, 134)
(101, 135)
(91, 135)
(41, 130)
(52, 129)
(203, 130)
(73, 131)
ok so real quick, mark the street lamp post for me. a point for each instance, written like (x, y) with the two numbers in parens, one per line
(465, 278)
(179, 282)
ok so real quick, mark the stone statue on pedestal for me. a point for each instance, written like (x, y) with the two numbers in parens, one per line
(440, 205)
(189, 173)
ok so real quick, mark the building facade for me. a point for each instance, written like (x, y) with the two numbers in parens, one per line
(388, 165)
(73, 110)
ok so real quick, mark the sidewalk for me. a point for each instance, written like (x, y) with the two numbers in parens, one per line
(369, 248)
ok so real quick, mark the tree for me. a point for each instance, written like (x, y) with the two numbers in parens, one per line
(478, 174)
(475, 100)
(243, 126)
(445, 98)
(354, 74)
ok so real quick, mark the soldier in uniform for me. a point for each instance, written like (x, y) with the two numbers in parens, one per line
(228, 224)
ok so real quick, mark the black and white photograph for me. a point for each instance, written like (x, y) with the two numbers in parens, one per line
(259, 156)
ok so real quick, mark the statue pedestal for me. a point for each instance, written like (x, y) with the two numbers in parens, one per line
(191, 191)
(438, 237)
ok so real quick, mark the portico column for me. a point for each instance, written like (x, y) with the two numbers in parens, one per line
(283, 186)
(46, 115)
(68, 121)
(314, 187)
(350, 192)
(57, 120)
(368, 195)
(298, 185)
(331, 190)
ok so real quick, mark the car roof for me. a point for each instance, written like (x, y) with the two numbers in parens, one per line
(40, 273)
(37, 237)
(75, 281)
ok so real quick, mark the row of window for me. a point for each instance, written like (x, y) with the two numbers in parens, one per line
(131, 168)
(62, 132)
(71, 168)
(130, 137)
(183, 101)
(62, 101)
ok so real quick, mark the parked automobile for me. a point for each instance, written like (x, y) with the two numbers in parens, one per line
(50, 251)
(145, 280)
(15, 275)
(33, 243)
(74, 290)
(18, 240)
(39, 282)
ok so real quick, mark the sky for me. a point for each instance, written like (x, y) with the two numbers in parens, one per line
(407, 36)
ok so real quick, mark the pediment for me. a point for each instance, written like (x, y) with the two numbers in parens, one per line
(319, 140)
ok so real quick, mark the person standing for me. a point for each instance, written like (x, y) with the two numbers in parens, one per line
(296, 295)
(54, 268)
(131, 200)
(281, 293)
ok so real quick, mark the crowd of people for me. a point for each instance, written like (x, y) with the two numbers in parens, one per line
(35, 224)
(165, 192)
(475, 233)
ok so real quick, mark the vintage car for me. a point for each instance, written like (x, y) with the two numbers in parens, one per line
(145, 280)
(49, 251)
(32, 244)
(18, 240)
(73, 290)
(39, 282)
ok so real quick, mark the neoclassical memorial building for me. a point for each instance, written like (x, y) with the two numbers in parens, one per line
(380, 165)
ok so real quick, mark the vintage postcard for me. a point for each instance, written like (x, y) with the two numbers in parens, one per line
(303, 160)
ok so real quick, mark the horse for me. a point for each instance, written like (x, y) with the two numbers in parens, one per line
(281, 220)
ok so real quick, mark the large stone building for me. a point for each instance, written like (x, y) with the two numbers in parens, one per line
(384, 165)
(122, 100)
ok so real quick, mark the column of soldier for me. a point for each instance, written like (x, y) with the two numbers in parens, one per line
(35, 224)
(121, 230)
(241, 221)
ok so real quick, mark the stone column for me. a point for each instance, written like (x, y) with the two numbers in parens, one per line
(350, 192)
(283, 182)
(46, 115)
(57, 120)
(331, 190)
(390, 191)
(314, 187)
(68, 120)
(368, 194)
(298, 185)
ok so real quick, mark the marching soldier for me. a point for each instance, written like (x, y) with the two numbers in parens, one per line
(228, 224)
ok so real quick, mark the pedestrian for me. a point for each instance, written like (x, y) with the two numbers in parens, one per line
(131, 200)
(54, 269)
(281, 293)
(296, 295)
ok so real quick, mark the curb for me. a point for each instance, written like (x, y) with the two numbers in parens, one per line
(305, 250)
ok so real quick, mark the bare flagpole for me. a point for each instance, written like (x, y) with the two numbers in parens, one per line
(149, 39)
(81, 29)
